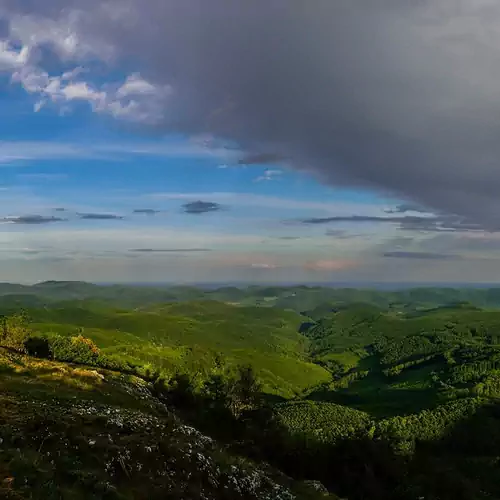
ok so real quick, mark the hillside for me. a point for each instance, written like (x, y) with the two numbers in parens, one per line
(388, 363)
(71, 432)
(315, 300)
(412, 405)
(190, 336)
(372, 401)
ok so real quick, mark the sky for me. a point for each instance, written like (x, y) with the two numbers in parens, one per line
(265, 142)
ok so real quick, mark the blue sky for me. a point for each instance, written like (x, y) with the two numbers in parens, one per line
(105, 177)
(86, 164)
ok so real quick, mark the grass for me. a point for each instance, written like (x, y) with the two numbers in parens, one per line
(347, 360)
(43, 380)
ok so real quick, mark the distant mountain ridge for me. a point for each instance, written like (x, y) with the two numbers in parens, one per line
(298, 298)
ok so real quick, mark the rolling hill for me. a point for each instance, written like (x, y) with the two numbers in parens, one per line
(189, 336)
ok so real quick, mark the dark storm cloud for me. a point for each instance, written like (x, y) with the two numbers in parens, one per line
(439, 223)
(407, 207)
(32, 219)
(408, 219)
(397, 95)
(421, 255)
(443, 223)
(98, 216)
(169, 250)
(200, 207)
(146, 211)
(261, 159)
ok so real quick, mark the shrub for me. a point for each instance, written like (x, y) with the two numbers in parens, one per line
(38, 346)
(78, 349)
(181, 390)
(246, 391)
(14, 331)
(116, 364)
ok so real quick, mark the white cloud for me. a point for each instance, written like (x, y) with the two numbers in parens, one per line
(60, 33)
(11, 59)
(38, 105)
(80, 91)
(22, 151)
(135, 99)
(269, 175)
(32, 79)
(135, 85)
(73, 73)
(19, 151)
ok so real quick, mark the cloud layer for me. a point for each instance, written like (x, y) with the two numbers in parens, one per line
(400, 96)
(421, 255)
(169, 250)
(429, 223)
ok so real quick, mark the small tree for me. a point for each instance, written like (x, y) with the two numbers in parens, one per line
(217, 390)
(246, 391)
(182, 390)
(15, 331)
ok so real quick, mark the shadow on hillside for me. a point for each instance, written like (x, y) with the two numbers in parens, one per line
(465, 462)
(381, 401)
(304, 327)
(462, 465)
(377, 394)
(371, 363)
(272, 399)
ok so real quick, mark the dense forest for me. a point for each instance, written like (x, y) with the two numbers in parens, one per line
(357, 394)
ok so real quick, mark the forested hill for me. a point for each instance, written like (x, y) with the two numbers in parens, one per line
(299, 298)
(191, 336)
(386, 401)
(389, 363)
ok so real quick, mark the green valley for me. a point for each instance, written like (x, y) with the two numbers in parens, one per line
(189, 336)
(365, 393)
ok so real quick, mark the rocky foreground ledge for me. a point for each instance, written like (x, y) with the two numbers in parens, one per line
(67, 432)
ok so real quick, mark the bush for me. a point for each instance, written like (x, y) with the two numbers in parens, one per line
(38, 346)
(14, 331)
(78, 349)
(181, 390)
(116, 364)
